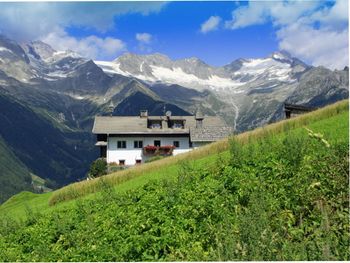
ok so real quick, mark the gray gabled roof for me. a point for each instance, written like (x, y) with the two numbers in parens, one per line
(213, 128)
(210, 133)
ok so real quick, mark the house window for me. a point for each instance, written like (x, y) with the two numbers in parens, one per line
(178, 125)
(121, 144)
(155, 124)
(138, 144)
(121, 162)
(157, 143)
(176, 144)
(138, 161)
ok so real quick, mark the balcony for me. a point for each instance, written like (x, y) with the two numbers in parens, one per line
(165, 150)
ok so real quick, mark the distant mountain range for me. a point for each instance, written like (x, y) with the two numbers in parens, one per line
(248, 92)
(49, 99)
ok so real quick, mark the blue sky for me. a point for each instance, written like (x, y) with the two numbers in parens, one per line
(216, 32)
(176, 32)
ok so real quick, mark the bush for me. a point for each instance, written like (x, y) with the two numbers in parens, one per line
(98, 168)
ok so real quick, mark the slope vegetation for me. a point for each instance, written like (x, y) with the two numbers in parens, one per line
(14, 175)
(276, 193)
(45, 149)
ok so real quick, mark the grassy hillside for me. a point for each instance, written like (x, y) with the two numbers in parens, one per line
(14, 175)
(276, 193)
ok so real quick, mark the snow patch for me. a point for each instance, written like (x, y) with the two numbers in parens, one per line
(74, 96)
(273, 69)
(77, 97)
(3, 49)
(251, 70)
(111, 67)
(278, 56)
(57, 74)
(177, 75)
(170, 76)
(58, 55)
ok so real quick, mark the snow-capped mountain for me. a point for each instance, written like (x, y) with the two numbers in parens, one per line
(14, 62)
(194, 73)
(51, 64)
(36, 60)
(240, 85)
(246, 92)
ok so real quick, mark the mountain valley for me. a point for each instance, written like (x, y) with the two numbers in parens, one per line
(48, 98)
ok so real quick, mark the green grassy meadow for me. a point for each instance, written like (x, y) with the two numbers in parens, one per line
(276, 193)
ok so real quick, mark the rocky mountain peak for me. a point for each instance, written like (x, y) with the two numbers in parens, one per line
(281, 55)
(128, 56)
(39, 49)
(235, 65)
(194, 61)
(12, 50)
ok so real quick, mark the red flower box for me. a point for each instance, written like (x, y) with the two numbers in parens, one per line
(167, 147)
(150, 148)
(158, 150)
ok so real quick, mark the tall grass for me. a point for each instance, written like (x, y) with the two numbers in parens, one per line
(84, 188)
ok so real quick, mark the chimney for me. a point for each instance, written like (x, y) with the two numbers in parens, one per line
(143, 113)
(199, 119)
(111, 108)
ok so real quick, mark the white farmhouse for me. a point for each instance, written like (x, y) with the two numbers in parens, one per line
(134, 139)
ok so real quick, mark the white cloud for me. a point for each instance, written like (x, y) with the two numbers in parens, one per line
(309, 30)
(48, 21)
(144, 42)
(92, 46)
(30, 21)
(335, 17)
(252, 14)
(280, 13)
(320, 47)
(144, 37)
(211, 24)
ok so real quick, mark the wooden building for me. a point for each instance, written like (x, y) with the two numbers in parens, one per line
(292, 110)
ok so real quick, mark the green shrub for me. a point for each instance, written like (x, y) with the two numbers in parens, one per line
(98, 168)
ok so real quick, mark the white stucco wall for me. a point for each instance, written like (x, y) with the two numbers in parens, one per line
(130, 154)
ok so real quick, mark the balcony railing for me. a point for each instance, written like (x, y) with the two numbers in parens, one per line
(164, 150)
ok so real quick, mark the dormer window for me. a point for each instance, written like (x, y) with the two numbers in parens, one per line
(154, 124)
(176, 124)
